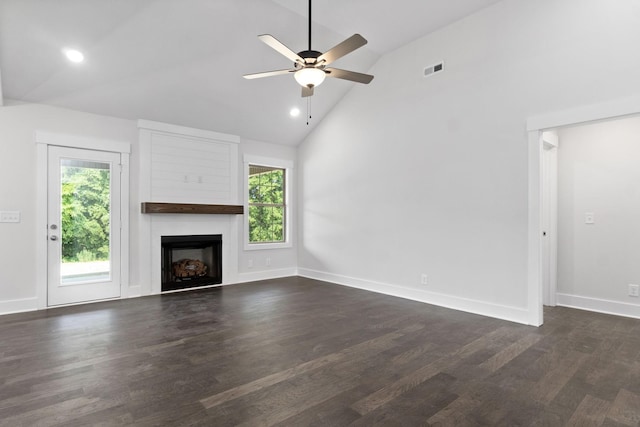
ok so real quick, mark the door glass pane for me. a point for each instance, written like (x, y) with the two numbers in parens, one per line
(85, 221)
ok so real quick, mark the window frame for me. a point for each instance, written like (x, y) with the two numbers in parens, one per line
(287, 165)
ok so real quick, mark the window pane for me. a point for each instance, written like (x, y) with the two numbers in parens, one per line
(277, 228)
(257, 229)
(254, 189)
(266, 204)
(85, 221)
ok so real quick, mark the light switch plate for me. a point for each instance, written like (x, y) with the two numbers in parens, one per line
(10, 216)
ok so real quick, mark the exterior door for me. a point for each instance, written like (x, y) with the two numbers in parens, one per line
(83, 224)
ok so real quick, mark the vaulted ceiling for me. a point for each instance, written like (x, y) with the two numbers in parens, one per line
(182, 61)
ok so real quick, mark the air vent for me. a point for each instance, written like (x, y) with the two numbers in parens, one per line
(433, 69)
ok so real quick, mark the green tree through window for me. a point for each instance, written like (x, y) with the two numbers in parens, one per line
(266, 204)
(85, 214)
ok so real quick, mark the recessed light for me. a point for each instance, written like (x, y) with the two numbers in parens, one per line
(295, 112)
(74, 55)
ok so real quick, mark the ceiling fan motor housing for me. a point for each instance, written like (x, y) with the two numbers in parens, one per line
(309, 56)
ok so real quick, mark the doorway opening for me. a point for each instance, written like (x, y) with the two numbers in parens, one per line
(590, 206)
(539, 262)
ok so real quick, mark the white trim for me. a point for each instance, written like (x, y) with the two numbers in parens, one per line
(586, 113)
(43, 139)
(534, 266)
(268, 161)
(535, 127)
(41, 224)
(254, 276)
(288, 165)
(18, 305)
(144, 221)
(549, 252)
(512, 314)
(75, 141)
(264, 246)
(71, 304)
(124, 224)
(186, 131)
(599, 305)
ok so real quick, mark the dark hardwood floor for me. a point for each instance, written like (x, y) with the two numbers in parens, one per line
(298, 352)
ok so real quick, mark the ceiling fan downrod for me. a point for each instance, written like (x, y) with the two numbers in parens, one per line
(309, 24)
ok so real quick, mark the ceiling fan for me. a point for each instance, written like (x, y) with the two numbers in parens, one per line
(310, 66)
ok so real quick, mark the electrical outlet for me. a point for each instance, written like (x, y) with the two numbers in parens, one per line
(267, 261)
(423, 279)
(250, 263)
(10, 216)
(634, 290)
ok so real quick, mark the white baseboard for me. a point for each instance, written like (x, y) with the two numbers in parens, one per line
(267, 274)
(599, 305)
(18, 305)
(513, 314)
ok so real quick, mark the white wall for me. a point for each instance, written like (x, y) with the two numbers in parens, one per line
(412, 174)
(18, 122)
(258, 264)
(598, 173)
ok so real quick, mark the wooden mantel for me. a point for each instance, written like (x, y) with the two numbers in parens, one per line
(190, 208)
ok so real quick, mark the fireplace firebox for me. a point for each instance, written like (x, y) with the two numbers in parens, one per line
(191, 261)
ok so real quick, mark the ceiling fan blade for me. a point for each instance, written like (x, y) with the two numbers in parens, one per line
(341, 49)
(267, 74)
(307, 91)
(348, 75)
(282, 49)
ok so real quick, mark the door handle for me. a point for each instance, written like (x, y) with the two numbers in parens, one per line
(53, 237)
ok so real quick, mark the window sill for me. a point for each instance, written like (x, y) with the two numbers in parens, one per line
(265, 246)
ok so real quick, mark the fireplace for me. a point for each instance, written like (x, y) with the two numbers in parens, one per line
(191, 261)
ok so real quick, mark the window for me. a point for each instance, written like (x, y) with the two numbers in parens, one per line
(267, 204)
(269, 185)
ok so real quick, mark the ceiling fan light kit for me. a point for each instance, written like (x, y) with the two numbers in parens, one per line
(309, 77)
(310, 66)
